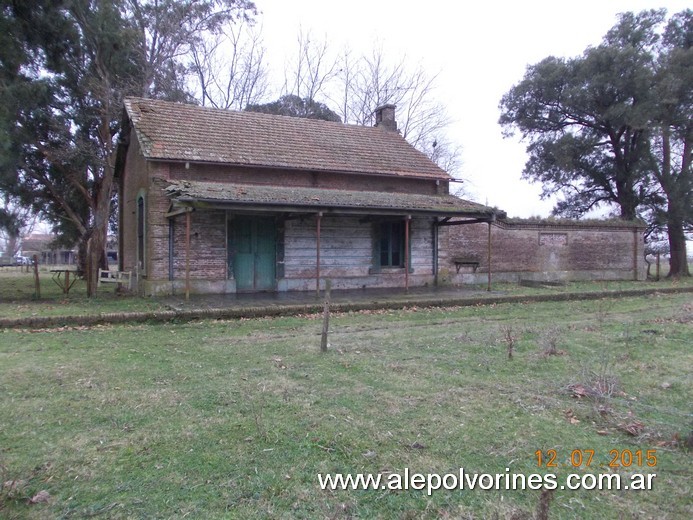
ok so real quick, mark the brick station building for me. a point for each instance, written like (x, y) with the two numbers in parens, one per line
(219, 201)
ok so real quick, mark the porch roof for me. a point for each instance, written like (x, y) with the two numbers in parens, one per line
(301, 199)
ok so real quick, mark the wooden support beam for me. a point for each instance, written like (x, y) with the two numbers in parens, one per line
(435, 251)
(406, 252)
(178, 211)
(317, 254)
(448, 222)
(635, 254)
(326, 316)
(187, 256)
(489, 257)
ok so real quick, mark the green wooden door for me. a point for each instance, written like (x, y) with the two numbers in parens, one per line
(254, 255)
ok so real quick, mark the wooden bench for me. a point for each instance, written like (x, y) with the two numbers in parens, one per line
(465, 262)
(117, 277)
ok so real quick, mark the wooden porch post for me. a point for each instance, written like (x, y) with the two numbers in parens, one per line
(317, 256)
(489, 256)
(406, 252)
(435, 251)
(635, 254)
(187, 255)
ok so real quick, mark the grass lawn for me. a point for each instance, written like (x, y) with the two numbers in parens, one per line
(235, 419)
(18, 298)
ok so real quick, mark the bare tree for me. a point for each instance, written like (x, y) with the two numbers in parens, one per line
(312, 70)
(367, 82)
(168, 30)
(443, 152)
(229, 69)
(357, 85)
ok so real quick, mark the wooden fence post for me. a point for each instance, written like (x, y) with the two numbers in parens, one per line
(37, 282)
(326, 316)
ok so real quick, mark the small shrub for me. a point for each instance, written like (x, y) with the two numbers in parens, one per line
(549, 340)
(509, 339)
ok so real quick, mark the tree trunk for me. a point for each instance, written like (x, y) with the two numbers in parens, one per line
(96, 259)
(12, 244)
(678, 257)
(628, 202)
(96, 245)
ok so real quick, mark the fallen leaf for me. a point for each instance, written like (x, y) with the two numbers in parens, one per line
(41, 496)
(13, 485)
(579, 391)
(634, 428)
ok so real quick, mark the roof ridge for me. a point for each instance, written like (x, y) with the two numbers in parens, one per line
(248, 113)
(185, 132)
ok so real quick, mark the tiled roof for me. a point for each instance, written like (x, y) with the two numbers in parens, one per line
(180, 132)
(322, 199)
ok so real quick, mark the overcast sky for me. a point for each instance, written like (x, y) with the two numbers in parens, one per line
(480, 50)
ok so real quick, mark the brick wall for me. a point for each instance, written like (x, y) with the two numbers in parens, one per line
(221, 173)
(207, 246)
(346, 242)
(135, 180)
(534, 251)
(545, 251)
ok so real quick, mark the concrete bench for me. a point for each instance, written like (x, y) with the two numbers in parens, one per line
(117, 277)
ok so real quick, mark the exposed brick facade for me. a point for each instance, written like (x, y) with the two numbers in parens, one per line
(545, 251)
(331, 180)
(156, 248)
(346, 242)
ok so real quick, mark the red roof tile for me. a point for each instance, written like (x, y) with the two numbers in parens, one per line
(180, 132)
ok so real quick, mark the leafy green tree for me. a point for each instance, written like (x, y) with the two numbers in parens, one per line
(65, 66)
(295, 106)
(594, 122)
(672, 137)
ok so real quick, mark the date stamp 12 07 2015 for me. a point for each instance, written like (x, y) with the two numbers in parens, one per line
(585, 458)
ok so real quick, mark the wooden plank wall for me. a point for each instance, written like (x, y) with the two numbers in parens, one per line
(346, 247)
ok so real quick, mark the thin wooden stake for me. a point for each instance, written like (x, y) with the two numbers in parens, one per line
(326, 316)
(37, 282)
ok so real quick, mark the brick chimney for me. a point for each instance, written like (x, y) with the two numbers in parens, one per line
(385, 117)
